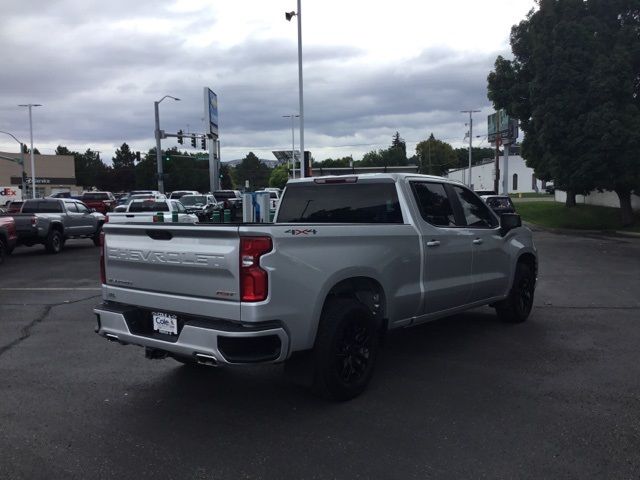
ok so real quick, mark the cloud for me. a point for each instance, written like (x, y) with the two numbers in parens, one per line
(98, 67)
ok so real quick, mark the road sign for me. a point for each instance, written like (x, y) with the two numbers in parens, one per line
(211, 112)
(500, 125)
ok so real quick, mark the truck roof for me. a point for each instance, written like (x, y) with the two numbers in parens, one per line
(376, 176)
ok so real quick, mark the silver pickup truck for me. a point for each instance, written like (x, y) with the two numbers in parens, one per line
(347, 259)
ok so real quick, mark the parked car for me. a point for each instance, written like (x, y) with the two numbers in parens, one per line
(8, 236)
(61, 195)
(499, 203)
(52, 221)
(102, 202)
(550, 188)
(274, 197)
(178, 194)
(201, 205)
(346, 259)
(148, 193)
(147, 210)
(231, 200)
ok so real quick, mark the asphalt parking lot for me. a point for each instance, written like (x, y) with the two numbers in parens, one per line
(463, 397)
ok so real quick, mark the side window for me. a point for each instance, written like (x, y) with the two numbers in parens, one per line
(82, 208)
(476, 213)
(71, 207)
(433, 203)
(179, 207)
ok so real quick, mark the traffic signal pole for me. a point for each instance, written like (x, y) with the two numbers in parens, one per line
(158, 149)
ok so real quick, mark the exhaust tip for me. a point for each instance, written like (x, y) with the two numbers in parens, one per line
(111, 337)
(205, 359)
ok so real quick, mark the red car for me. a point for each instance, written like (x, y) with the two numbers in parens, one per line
(102, 202)
(8, 236)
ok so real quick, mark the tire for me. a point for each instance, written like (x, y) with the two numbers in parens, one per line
(3, 251)
(345, 350)
(55, 242)
(96, 236)
(517, 306)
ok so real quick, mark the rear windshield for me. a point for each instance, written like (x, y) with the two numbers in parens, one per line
(224, 195)
(499, 202)
(193, 200)
(148, 206)
(95, 196)
(42, 206)
(341, 203)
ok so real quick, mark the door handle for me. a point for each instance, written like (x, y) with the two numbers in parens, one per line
(477, 241)
(433, 243)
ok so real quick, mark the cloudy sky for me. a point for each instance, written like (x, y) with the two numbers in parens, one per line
(370, 68)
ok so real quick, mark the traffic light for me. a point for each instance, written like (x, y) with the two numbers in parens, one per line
(193, 140)
(203, 143)
(180, 139)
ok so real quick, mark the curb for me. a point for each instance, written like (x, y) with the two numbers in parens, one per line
(569, 231)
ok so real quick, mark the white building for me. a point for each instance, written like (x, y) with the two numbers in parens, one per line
(521, 179)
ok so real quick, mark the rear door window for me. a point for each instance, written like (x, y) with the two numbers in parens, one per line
(433, 203)
(42, 206)
(341, 203)
(148, 206)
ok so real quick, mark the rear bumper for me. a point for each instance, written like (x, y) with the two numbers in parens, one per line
(227, 342)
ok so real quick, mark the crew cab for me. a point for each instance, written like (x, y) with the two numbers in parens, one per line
(52, 221)
(8, 236)
(151, 210)
(346, 260)
(102, 202)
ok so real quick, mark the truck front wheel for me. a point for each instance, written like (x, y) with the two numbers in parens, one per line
(345, 350)
(517, 306)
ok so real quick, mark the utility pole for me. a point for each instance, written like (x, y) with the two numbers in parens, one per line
(293, 145)
(33, 162)
(470, 112)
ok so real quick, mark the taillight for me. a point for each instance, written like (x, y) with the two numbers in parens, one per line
(34, 221)
(103, 275)
(253, 279)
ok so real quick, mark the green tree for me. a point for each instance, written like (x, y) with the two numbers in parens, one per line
(478, 154)
(334, 163)
(123, 169)
(573, 84)
(279, 176)
(252, 169)
(226, 182)
(90, 171)
(435, 156)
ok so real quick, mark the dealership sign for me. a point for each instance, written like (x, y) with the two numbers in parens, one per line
(45, 181)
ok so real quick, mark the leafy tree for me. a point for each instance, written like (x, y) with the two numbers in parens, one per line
(398, 143)
(279, 176)
(89, 169)
(61, 150)
(395, 155)
(226, 182)
(252, 169)
(435, 156)
(123, 168)
(573, 84)
(372, 159)
(478, 154)
(334, 163)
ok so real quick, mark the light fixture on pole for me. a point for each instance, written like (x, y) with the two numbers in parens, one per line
(21, 159)
(293, 145)
(158, 135)
(470, 112)
(289, 16)
(33, 162)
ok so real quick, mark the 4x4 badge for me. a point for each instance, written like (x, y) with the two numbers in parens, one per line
(306, 231)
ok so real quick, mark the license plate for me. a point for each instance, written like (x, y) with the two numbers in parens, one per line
(165, 323)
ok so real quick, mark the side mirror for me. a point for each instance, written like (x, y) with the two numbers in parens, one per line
(509, 221)
(92, 210)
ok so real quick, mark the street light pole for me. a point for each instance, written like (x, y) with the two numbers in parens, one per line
(288, 16)
(33, 163)
(158, 146)
(293, 145)
(470, 112)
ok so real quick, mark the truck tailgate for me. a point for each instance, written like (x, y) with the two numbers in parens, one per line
(179, 260)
